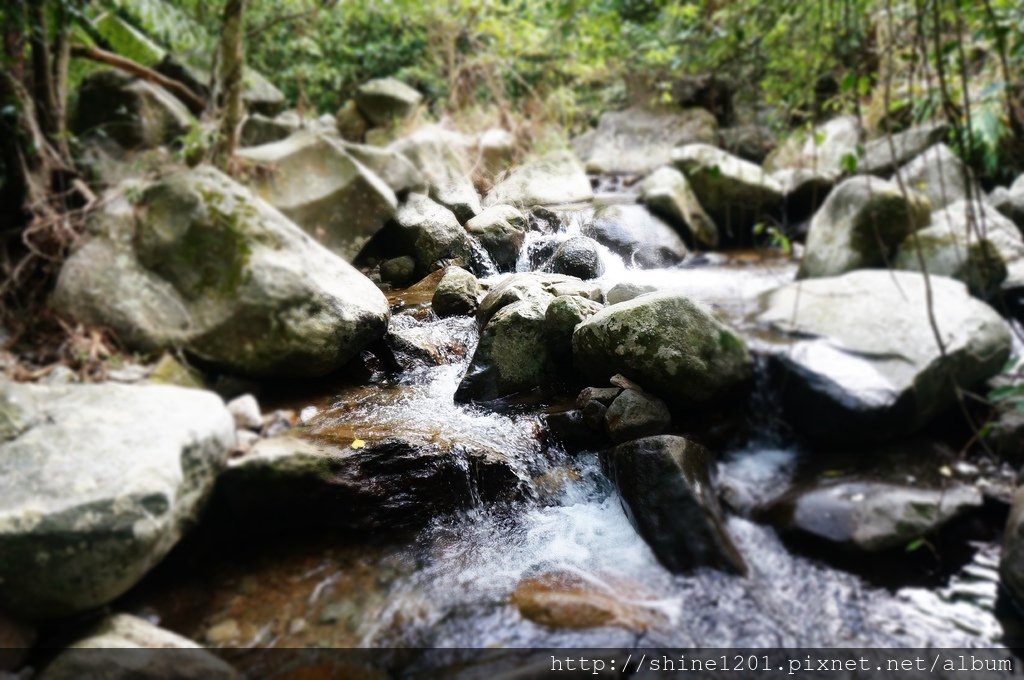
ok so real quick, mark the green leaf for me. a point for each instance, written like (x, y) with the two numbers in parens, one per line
(916, 544)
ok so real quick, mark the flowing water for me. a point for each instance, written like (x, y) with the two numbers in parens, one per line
(460, 581)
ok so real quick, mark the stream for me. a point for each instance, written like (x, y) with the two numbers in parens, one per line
(457, 581)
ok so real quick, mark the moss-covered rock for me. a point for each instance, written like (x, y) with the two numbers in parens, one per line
(432, 235)
(457, 293)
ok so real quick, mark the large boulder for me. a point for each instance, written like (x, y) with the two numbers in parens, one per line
(666, 490)
(735, 193)
(395, 169)
(97, 484)
(550, 180)
(577, 256)
(199, 262)
(638, 140)
(667, 193)
(323, 189)
(822, 149)
(501, 230)
(860, 225)
(563, 315)
(384, 100)
(258, 130)
(634, 234)
(441, 156)
(432, 234)
(883, 155)
(941, 176)
(125, 646)
(668, 343)
(134, 113)
(860, 360)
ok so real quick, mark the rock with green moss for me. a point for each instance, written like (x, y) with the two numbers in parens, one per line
(132, 112)
(323, 189)
(432, 235)
(443, 158)
(533, 286)
(196, 261)
(671, 345)
(169, 371)
(859, 354)
(563, 315)
(124, 39)
(457, 293)
(736, 194)
(383, 101)
(97, 484)
(259, 129)
(860, 225)
(550, 180)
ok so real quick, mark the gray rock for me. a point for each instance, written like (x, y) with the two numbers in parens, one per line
(501, 230)
(246, 412)
(432, 234)
(821, 150)
(497, 151)
(533, 286)
(258, 130)
(551, 180)
(563, 314)
(803, 191)
(134, 113)
(637, 236)
(882, 156)
(673, 346)
(578, 256)
(736, 194)
(350, 122)
(395, 169)
(1010, 202)
(667, 493)
(635, 414)
(398, 271)
(456, 294)
(200, 263)
(859, 226)
(860, 358)
(121, 646)
(941, 176)
(97, 484)
(750, 142)
(625, 291)
(667, 193)
(384, 100)
(320, 187)
(638, 140)
(1011, 562)
(441, 156)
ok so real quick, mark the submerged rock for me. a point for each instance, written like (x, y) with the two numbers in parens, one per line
(666, 491)
(637, 236)
(667, 193)
(97, 484)
(385, 100)
(860, 225)
(501, 230)
(198, 262)
(320, 187)
(551, 180)
(568, 599)
(671, 345)
(114, 649)
(134, 113)
(638, 140)
(457, 293)
(861, 360)
(578, 256)
(941, 176)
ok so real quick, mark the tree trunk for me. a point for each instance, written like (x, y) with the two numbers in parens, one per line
(42, 71)
(193, 101)
(229, 74)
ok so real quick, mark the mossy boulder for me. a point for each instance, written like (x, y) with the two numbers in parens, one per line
(671, 345)
(457, 293)
(198, 262)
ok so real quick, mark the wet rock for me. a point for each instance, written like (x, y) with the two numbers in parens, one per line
(320, 187)
(861, 361)
(602, 395)
(870, 516)
(666, 491)
(563, 314)
(97, 484)
(258, 130)
(1011, 562)
(533, 286)
(198, 262)
(383, 101)
(351, 123)
(246, 412)
(406, 480)
(638, 140)
(551, 180)
(667, 193)
(456, 294)
(625, 291)
(941, 176)
(398, 271)
(432, 234)
(396, 170)
(635, 414)
(736, 194)
(673, 346)
(637, 236)
(578, 256)
(570, 429)
(859, 226)
(132, 112)
(501, 230)
(822, 149)
(113, 649)
(882, 156)
(513, 354)
(568, 599)
(441, 156)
